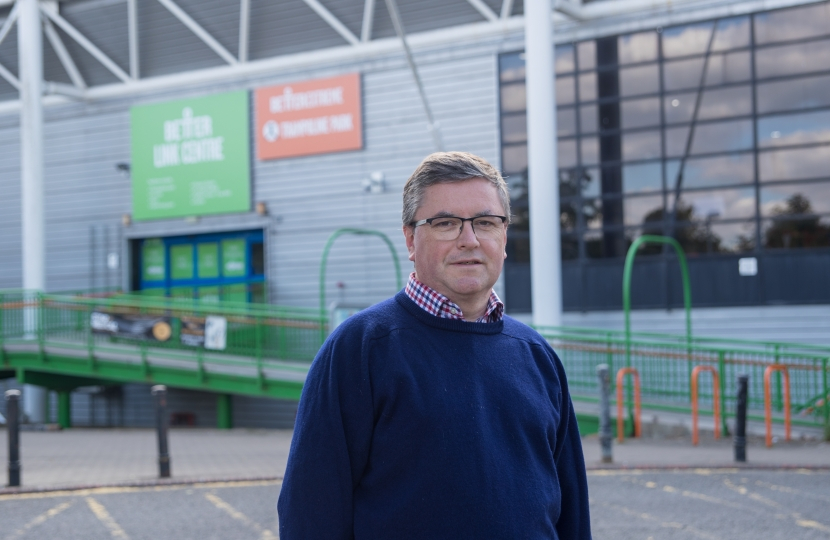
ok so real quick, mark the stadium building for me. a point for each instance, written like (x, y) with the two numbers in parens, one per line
(209, 149)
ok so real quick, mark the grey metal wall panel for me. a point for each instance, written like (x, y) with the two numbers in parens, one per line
(104, 23)
(8, 58)
(423, 15)
(10, 226)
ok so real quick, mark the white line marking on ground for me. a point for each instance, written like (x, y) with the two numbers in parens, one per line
(104, 517)
(52, 512)
(264, 533)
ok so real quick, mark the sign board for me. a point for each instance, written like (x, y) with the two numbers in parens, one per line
(141, 327)
(191, 157)
(309, 117)
(209, 332)
(748, 266)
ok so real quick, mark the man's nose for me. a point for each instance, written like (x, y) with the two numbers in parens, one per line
(468, 234)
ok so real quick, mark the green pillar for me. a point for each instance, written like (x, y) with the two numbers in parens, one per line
(224, 418)
(65, 408)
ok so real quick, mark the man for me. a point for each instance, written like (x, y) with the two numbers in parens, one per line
(432, 415)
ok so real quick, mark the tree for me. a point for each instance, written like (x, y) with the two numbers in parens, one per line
(795, 226)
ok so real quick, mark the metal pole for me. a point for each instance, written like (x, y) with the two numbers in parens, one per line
(543, 178)
(13, 422)
(740, 419)
(605, 437)
(159, 393)
(30, 60)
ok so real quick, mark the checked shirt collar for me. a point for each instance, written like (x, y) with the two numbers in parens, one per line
(439, 305)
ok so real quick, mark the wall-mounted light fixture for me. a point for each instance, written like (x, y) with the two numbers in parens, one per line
(126, 220)
(375, 183)
(123, 168)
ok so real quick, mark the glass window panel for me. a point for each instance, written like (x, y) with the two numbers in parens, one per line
(588, 118)
(686, 40)
(565, 91)
(641, 145)
(794, 163)
(517, 184)
(639, 80)
(590, 150)
(792, 59)
(640, 113)
(797, 23)
(566, 152)
(731, 34)
(803, 93)
(588, 87)
(712, 171)
(796, 233)
(712, 137)
(514, 128)
(637, 209)
(568, 215)
(642, 177)
(593, 244)
(736, 203)
(727, 68)
(591, 182)
(512, 67)
(570, 182)
(587, 53)
(514, 158)
(720, 103)
(682, 74)
(513, 98)
(785, 130)
(636, 48)
(712, 237)
(564, 58)
(795, 199)
(566, 122)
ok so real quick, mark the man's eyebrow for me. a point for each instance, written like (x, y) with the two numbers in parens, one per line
(444, 213)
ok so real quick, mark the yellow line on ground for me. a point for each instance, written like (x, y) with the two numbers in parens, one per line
(264, 533)
(135, 489)
(104, 517)
(52, 512)
(665, 524)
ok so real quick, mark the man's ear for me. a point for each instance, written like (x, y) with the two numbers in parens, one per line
(409, 236)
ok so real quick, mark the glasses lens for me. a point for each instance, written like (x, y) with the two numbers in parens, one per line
(449, 228)
(446, 228)
(488, 226)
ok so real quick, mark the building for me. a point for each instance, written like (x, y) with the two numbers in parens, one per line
(630, 89)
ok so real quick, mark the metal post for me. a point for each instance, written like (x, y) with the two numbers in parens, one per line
(65, 409)
(13, 422)
(543, 177)
(224, 416)
(159, 393)
(604, 412)
(30, 60)
(740, 419)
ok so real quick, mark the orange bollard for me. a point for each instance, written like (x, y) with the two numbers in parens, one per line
(620, 423)
(768, 401)
(716, 382)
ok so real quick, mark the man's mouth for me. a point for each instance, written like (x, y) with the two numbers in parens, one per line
(467, 263)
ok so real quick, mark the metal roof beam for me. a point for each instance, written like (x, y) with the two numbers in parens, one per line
(9, 76)
(244, 28)
(332, 21)
(200, 32)
(506, 9)
(7, 24)
(86, 44)
(368, 18)
(484, 9)
(132, 36)
(63, 55)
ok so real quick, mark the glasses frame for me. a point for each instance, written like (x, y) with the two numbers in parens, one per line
(428, 221)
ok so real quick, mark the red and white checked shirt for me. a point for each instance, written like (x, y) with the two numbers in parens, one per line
(439, 305)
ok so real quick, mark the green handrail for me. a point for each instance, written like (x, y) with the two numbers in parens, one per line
(687, 293)
(684, 271)
(359, 232)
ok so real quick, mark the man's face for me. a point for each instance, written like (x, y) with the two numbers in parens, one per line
(464, 269)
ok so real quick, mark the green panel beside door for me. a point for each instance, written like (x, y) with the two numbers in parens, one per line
(153, 267)
(234, 261)
(207, 260)
(181, 261)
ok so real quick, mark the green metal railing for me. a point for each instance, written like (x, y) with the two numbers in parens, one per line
(665, 362)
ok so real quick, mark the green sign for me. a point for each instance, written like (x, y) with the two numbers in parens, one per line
(207, 260)
(181, 261)
(152, 260)
(191, 157)
(233, 258)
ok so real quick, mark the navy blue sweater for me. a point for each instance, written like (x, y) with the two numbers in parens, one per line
(413, 426)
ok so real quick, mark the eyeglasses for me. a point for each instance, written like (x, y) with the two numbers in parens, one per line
(449, 227)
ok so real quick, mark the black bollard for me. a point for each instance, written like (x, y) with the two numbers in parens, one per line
(740, 419)
(159, 393)
(604, 413)
(13, 423)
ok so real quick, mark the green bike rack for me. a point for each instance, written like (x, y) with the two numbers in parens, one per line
(335, 235)
(687, 291)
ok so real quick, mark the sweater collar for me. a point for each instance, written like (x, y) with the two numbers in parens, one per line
(453, 325)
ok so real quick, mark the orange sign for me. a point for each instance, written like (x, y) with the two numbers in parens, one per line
(309, 117)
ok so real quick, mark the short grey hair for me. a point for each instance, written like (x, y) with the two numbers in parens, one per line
(447, 167)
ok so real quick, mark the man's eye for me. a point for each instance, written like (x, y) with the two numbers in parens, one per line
(485, 223)
(444, 224)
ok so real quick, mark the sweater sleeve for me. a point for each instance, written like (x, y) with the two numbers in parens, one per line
(330, 447)
(574, 518)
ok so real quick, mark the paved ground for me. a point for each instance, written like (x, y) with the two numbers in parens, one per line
(709, 504)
